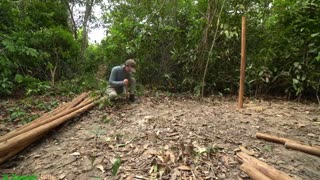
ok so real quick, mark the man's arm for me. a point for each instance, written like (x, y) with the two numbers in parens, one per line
(112, 79)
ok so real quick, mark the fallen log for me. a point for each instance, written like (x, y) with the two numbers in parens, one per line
(270, 138)
(303, 148)
(253, 172)
(263, 167)
(42, 121)
(32, 135)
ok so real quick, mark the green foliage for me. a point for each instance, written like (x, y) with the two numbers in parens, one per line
(97, 131)
(115, 166)
(22, 111)
(80, 84)
(16, 113)
(34, 34)
(172, 44)
(32, 85)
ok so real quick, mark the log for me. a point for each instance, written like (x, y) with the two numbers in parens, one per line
(43, 121)
(270, 138)
(303, 148)
(263, 167)
(15, 151)
(79, 99)
(31, 136)
(253, 172)
(61, 107)
(42, 118)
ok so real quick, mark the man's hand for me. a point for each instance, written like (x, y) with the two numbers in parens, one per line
(126, 82)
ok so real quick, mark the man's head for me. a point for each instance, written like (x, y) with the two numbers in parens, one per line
(130, 65)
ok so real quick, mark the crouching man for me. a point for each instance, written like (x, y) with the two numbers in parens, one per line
(121, 81)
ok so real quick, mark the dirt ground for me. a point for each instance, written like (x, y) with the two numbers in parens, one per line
(174, 138)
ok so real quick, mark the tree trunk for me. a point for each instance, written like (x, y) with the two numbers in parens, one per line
(73, 22)
(211, 49)
(84, 42)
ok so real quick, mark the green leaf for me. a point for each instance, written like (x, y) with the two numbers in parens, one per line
(116, 166)
(19, 78)
(295, 81)
(315, 34)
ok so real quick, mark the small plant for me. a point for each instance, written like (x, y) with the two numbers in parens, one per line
(267, 148)
(116, 166)
(16, 113)
(104, 102)
(105, 119)
(97, 131)
(30, 118)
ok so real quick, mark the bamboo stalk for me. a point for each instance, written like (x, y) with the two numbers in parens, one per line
(303, 148)
(253, 173)
(10, 144)
(44, 121)
(263, 167)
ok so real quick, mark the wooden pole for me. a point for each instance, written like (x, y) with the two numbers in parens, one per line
(271, 138)
(243, 62)
(303, 148)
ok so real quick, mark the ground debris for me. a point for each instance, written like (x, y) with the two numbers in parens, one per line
(174, 138)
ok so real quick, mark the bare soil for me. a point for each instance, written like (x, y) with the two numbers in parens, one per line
(174, 138)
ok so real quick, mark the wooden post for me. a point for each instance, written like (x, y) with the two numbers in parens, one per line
(243, 62)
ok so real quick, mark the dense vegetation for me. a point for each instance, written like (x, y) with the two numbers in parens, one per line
(180, 45)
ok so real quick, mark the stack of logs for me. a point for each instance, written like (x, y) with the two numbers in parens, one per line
(20, 138)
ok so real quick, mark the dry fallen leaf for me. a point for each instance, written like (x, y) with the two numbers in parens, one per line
(100, 167)
(225, 160)
(311, 135)
(75, 154)
(152, 137)
(184, 168)
(47, 177)
(62, 176)
(243, 149)
(131, 177)
(301, 125)
(172, 157)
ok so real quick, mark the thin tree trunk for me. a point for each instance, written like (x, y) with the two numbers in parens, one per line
(84, 43)
(210, 52)
(73, 22)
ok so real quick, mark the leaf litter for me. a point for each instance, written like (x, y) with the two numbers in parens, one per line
(174, 138)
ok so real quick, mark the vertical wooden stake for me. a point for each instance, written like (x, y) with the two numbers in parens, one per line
(243, 62)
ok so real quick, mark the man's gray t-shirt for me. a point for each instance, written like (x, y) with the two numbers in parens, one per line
(118, 74)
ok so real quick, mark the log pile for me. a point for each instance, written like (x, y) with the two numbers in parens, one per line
(258, 170)
(20, 138)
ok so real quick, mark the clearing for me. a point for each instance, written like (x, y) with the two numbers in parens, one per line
(174, 137)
